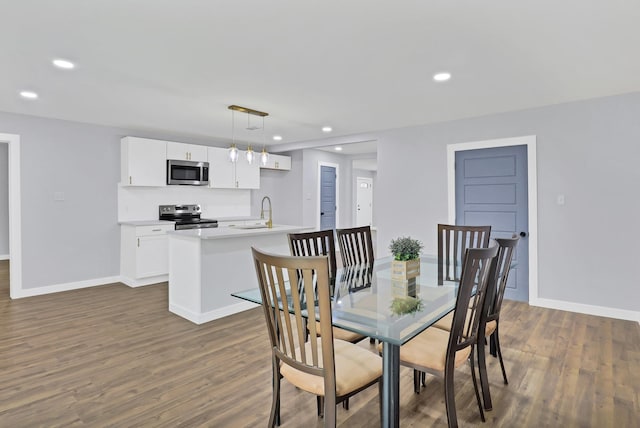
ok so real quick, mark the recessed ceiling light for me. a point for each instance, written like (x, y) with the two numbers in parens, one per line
(277, 137)
(28, 94)
(338, 149)
(63, 63)
(327, 129)
(442, 77)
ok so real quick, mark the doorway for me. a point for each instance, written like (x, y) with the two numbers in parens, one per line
(327, 196)
(15, 231)
(364, 201)
(480, 160)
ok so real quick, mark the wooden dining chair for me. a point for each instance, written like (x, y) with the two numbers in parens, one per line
(453, 240)
(489, 326)
(333, 370)
(440, 352)
(321, 243)
(356, 245)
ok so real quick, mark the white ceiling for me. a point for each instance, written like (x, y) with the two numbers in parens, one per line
(359, 65)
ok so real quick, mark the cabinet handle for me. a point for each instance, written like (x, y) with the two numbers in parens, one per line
(138, 242)
(129, 179)
(156, 230)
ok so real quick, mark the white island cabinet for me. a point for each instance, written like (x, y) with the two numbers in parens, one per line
(207, 265)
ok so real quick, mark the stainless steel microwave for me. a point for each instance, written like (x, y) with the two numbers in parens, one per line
(187, 172)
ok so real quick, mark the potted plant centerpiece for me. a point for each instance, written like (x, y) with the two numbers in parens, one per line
(406, 258)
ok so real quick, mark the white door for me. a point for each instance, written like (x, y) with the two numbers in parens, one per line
(364, 201)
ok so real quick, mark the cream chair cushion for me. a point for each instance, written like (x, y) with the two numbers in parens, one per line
(342, 334)
(429, 350)
(355, 367)
(444, 323)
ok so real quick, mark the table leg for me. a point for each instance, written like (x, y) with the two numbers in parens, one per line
(390, 385)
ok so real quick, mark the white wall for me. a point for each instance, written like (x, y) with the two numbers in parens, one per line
(588, 151)
(284, 188)
(4, 200)
(76, 240)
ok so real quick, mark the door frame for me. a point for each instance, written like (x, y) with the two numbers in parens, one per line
(319, 190)
(15, 226)
(532, 184)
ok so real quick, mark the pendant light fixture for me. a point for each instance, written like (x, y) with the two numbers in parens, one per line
(250, 154)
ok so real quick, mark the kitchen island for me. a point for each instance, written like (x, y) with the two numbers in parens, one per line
(207, 265)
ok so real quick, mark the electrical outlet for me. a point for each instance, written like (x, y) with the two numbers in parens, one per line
(58, 196)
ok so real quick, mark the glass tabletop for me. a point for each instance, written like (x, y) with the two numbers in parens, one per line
(368, 301)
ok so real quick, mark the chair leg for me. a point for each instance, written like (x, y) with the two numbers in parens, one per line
(424, 379)
(475, 385)
(320, 402)
(492, 344)
(482, 369)
(416, 381)
(504, 372)
(330, 411)
(274, 417)
(345, 404)
(372, 341)
(449, 396)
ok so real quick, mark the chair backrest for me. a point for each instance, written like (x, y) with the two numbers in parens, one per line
(356, 245)
(499, 275)
(452, 242)
(287, 330)
(471, 298)
(315, 244)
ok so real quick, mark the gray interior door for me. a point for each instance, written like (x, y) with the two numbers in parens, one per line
(491, 188)
(327, 197)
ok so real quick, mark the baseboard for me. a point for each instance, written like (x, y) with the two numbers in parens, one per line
(601, 311)
(48, 289)
(4, 256)
(133, 283)
(201, 318)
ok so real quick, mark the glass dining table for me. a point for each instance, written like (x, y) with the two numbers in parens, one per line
(366, 300)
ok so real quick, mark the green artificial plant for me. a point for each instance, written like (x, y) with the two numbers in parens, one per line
(405, 248)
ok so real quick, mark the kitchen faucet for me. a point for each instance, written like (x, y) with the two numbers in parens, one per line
(270, 221)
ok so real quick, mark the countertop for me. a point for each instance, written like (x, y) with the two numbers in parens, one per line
(146, 222)
(235, 232)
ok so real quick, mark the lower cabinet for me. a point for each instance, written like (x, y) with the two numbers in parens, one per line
(144, 254)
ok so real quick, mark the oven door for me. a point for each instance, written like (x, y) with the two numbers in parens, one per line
(187, 172)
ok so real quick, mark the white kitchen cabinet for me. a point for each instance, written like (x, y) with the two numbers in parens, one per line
(190, 152)
(144, 254)
(224, 174)
(143, 162)
(247, 175)
(280, 162)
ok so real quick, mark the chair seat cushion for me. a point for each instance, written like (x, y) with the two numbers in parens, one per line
(342, 334)
(491, 327)
(429, 350)
(355, 368)
(444, 323)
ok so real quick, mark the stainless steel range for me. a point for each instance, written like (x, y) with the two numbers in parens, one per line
(186, 216)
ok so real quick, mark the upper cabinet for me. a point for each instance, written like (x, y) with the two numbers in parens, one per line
(190, 152)
(143, 162)
(221, 170)
(278, 162)
(224, 174)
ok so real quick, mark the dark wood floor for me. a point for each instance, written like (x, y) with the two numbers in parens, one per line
(114, 356)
